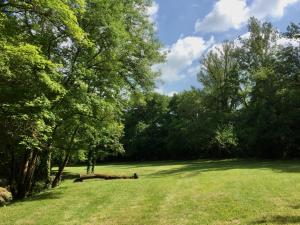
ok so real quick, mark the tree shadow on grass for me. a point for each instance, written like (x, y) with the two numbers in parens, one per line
(47, 195)
(66, 175)
(278, 220)
(295, 206)
(69, 176)
(44, 196)
(197, 167)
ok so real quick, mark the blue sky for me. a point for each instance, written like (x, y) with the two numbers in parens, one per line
(188, 28)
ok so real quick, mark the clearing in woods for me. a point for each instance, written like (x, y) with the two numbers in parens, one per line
(170, 193)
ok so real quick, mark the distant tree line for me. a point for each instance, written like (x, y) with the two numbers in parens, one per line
(248, 106)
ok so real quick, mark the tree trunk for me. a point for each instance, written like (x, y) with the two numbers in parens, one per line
(20, 191)
(65, 162)
(30, 173)
(48, 168)
(25, 182)
(93, 161)
(61, 169)
(12, 172)
(48, 180)
(89, 161)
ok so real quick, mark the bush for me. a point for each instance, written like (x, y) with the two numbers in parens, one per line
(5, 196)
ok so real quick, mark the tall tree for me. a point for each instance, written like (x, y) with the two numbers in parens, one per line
(220, 78)
(81, 58)
(30, 82)
(223, 96)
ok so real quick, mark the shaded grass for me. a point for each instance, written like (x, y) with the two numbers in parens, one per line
(173, 192)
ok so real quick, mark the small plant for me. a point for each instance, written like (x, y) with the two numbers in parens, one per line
(225, 139)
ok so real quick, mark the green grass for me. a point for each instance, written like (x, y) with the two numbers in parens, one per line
(170, 193)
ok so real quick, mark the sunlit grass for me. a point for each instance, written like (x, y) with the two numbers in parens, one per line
(171, 193)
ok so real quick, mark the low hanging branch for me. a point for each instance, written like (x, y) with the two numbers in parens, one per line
(104, 176)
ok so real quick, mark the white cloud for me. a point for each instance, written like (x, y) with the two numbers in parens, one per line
(273, 8)
(161, 91)
(192, 71)
(288, 42)
(172, 93)
(181, 56)
(152, 12)
(280, 41)
(228, 14)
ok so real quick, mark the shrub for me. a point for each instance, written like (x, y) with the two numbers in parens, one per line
(5, 196)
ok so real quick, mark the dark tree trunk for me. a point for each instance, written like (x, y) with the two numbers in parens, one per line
(20, 191)
(48, 180)
(48, 165)
(12, 171)
(89, 161)
(93, 161)
(66, 160)
(61, 169)
(30, 173)
(23, 187)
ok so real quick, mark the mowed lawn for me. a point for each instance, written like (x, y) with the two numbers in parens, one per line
(171, 193)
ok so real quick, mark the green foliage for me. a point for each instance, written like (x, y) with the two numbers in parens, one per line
(65, 68)
(247, 106)
(220, 78)
(145, 125)
(29, 87)
(225, 137)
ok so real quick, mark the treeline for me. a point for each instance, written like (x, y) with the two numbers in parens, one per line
(66, 71)
(248, 106)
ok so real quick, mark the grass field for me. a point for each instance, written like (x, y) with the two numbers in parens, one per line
(170, 193)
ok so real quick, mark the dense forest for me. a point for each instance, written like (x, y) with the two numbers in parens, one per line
(76, 85)
(248, 106)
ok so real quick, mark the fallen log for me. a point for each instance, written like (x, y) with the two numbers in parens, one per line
(104, 176)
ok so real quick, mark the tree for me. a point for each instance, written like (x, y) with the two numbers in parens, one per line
(30, 30)
(222, 87)
(119, 59)
(186, 139)
(219, 76)
(29, 87)
(146, 126)
(247, 106)
(79, 60)
(257, 57)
